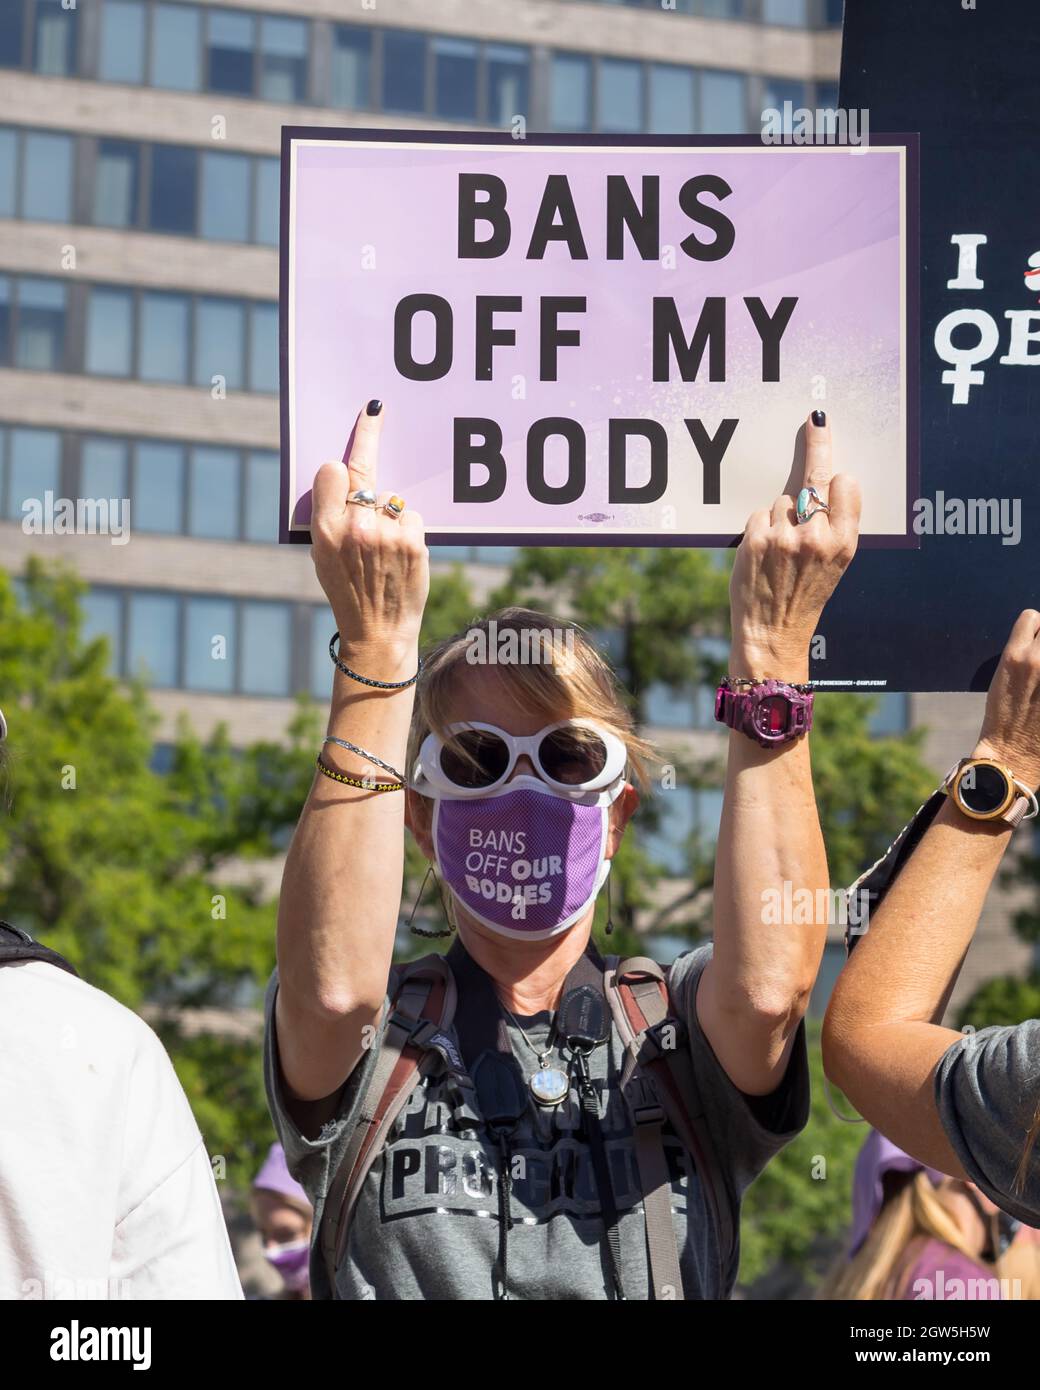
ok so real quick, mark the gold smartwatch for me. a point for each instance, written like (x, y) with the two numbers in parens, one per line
(987, 790)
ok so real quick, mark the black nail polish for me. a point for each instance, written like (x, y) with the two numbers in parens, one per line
(373, 407)
(819, 418)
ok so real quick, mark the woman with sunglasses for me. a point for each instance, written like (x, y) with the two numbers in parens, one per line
(516, 1165)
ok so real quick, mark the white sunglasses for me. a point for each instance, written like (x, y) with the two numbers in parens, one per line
(573, 756)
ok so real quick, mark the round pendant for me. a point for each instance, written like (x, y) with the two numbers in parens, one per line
(549, 1086)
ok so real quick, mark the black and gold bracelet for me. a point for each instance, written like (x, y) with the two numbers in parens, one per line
(327, 771)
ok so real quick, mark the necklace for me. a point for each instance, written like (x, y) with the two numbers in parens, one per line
(549, 1085)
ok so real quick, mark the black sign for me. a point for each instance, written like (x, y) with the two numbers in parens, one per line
(966, 75)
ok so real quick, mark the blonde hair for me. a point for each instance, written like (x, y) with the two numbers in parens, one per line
(877, 1268)
(576, 682)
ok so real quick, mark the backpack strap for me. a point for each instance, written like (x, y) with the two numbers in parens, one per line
(17, 945)
(422, 1003)
(659, 1081)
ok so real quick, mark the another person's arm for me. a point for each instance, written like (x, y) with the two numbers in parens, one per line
(883, 1040)
(756, 988)
(341, 888)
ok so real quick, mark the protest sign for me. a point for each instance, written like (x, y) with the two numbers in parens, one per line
(964, 76)
(596, 340)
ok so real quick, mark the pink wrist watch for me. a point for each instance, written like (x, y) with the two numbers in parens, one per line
(771, 712)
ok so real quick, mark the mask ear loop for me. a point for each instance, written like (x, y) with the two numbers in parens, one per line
(418, 931)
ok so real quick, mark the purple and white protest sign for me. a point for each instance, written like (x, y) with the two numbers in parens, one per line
(590, 340)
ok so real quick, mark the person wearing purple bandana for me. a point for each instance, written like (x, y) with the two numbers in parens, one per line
(283, 1216)
(517, 777)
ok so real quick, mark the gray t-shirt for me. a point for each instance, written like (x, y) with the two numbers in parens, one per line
(987, 1088)
(408, 1238)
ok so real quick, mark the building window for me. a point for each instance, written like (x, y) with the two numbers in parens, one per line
(268, 200)
(283, 60)
(164, 332)
(891, 716)
(219, 343)
(776, 92)
(171, 205)
(115, 184)
(225, 196)
(455, 79)
(109, 347)
(209, 644)
(230, 44)
(794, 13)
(322, 628)
(205, 642)
(152, 638)
(54, 39)
(157, 499)
(12, 33)
(266, 648)
(350, 75)
(103, 468)
(47, 177)
(103, 617)
(263, 347)
(177, 48)
(261, 497)
(724, 103)
(6, 318)
(40, 331)
(123, 27)
(619, 97)
(214, 495)
(570, 95)
(507, 83)
(404, 71)
(671, 101)
(8, 172)
(34, 467)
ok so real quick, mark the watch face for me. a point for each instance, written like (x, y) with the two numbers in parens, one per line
(772, 715)
(983, 790)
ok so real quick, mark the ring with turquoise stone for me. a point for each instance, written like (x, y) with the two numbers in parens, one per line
(807, 495)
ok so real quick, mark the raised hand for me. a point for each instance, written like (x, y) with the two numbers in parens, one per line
(785, 572)
(373, 567)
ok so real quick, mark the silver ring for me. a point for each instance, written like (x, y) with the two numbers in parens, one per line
(363, 497)
(803, 513)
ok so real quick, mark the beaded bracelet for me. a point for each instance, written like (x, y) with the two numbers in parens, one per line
(364, 753)
(367, 680)
(356, 781)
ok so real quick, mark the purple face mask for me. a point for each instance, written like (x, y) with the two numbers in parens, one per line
(524, 861)
(292, 1261)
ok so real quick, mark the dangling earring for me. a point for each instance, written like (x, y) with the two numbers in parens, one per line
(610, 920)
(418, 931)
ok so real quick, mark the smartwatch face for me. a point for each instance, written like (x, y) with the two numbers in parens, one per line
(983, 790)
(772, 716)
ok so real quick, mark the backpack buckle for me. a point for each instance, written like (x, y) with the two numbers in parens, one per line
(643, 1102)
(417, 1031)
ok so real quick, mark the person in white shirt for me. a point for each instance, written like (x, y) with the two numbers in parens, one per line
(106, 1189)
